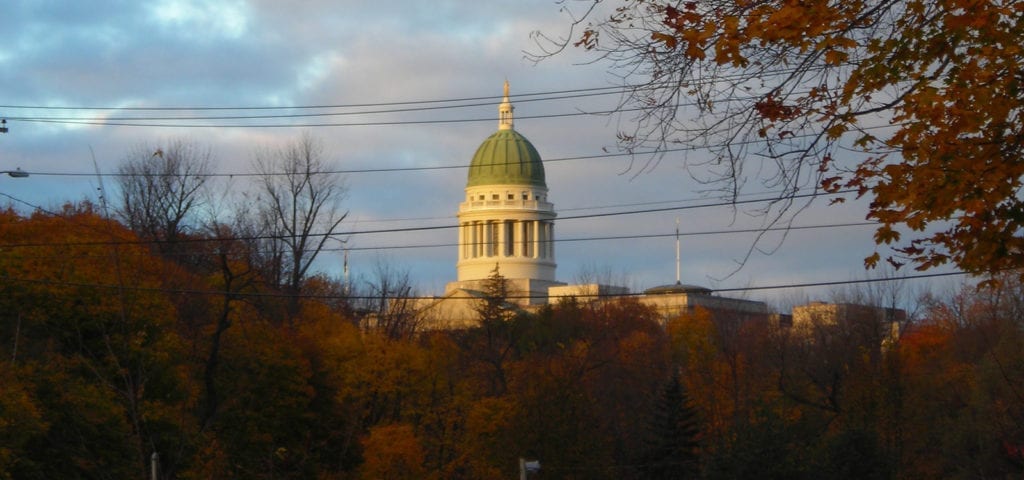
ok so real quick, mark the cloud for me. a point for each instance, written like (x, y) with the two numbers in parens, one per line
(176, 53)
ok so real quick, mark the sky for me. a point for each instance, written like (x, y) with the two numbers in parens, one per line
(93, 56)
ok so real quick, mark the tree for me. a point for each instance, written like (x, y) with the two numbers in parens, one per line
(498, 332)
(672, 451)
(300, 203)
(393, 451)
(920, 97)
(161, 188)
(388, 305)
(96, 349)
(233, 276)
(494, 306)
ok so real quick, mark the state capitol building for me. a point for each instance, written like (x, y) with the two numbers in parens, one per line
(507, 222)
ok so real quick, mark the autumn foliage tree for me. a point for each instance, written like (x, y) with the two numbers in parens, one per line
(105, 358)
(913, 104)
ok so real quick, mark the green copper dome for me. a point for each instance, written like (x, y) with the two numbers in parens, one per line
(506, 157)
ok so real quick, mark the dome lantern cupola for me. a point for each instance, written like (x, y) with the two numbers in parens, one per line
(505, 112)
(506, 157)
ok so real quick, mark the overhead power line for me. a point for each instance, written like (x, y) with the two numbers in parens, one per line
(352, 171)
(318, 124)
(305, 115)
(351, 233)
(138, 288)
(456, 244)
(518, 97)
(384, 108)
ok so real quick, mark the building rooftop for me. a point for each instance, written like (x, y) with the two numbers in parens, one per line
(678, 288)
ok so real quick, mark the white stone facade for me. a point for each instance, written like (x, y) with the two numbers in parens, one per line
(511, 226)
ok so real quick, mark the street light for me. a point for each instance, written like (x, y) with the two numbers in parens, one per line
(18, 172)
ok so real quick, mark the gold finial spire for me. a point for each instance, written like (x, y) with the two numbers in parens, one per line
(505, 111)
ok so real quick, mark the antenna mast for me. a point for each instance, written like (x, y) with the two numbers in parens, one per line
(345, 270)
(677, 252)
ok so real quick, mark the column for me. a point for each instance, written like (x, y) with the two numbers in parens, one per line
(527, 238)
(537, 235)
(542, 244)
(462, 241)
(551, 240)
(479, 239)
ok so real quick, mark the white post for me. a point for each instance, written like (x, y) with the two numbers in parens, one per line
(154, 465)
(527, 466)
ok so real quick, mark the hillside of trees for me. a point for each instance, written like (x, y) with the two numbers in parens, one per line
(214, 345)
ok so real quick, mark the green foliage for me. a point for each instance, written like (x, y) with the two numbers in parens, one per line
(495, 307)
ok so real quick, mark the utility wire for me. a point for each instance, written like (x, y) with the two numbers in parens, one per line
(299, 115)
(411, 297)
(351, 233)
(455, 244)
(358, 170)
(519, 97)
(132, 121)
(437, 167)
(322, 124)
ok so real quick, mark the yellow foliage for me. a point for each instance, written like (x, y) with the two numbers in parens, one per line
(392, 452)
(944, 74)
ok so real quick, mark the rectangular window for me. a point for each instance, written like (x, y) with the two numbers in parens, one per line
(528, 235)
(464, 237)
(491, 236)
(510, 238)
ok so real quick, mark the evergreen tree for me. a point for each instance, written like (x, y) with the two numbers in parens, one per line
(672, 451)
(494, 306)
(497, 331)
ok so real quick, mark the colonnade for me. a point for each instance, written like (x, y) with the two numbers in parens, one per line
(507, 238)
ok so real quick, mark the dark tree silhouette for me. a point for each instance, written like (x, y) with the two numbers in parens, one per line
(673, 448)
